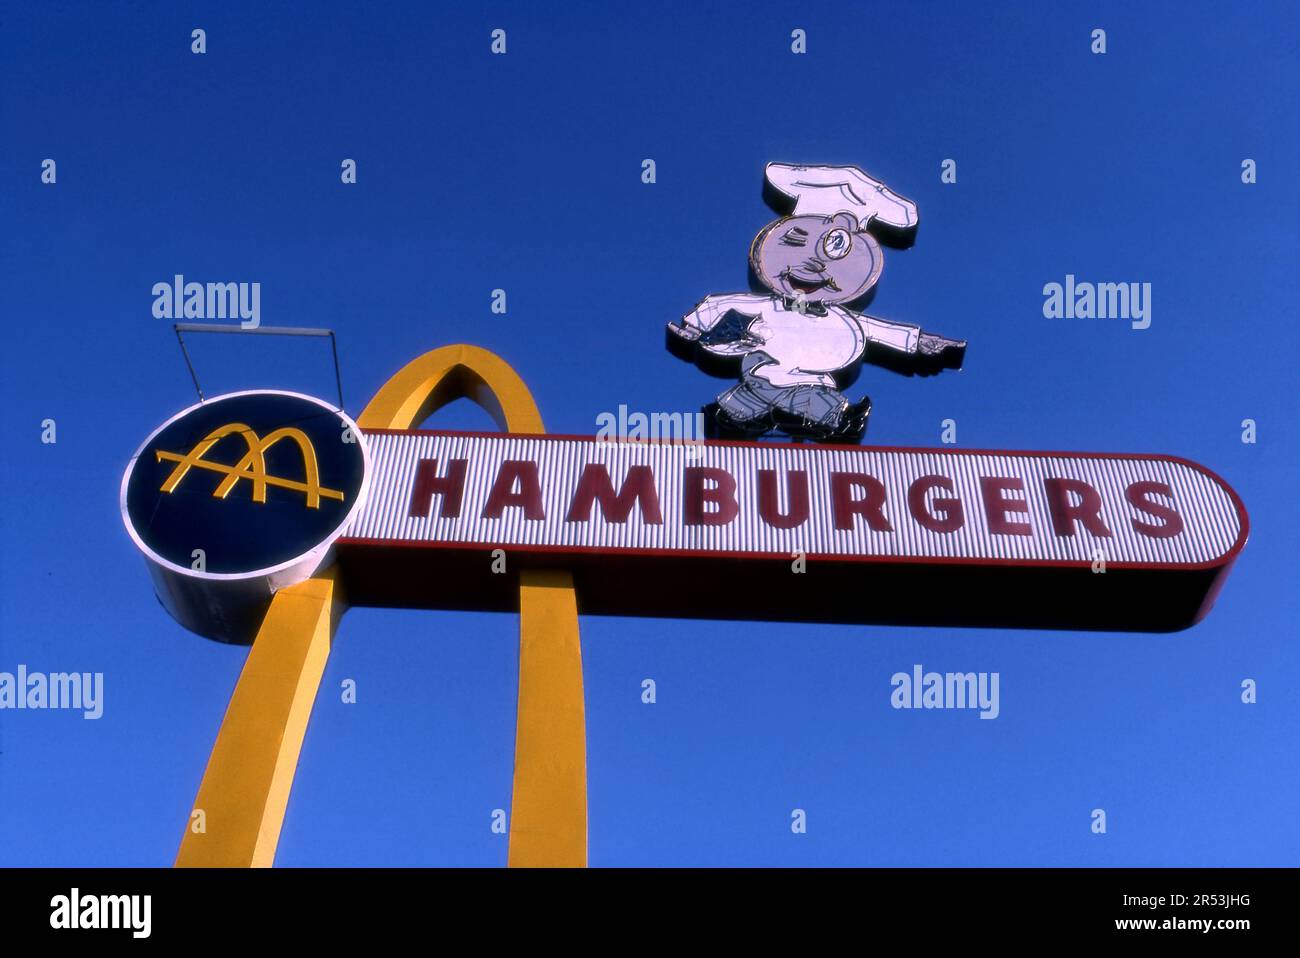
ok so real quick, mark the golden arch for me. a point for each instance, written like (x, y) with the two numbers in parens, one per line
(246, 785)
(253, 466)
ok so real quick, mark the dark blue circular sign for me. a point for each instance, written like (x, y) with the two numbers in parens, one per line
(244, 484)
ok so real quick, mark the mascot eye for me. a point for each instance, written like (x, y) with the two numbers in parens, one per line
(837, 243)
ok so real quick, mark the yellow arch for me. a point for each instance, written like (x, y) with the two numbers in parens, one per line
(245, 788)
(429, 382)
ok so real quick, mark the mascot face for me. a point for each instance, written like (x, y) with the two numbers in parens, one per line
(823, 259)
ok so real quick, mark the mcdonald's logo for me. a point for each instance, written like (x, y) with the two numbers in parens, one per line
(244, 492)
(253, 466)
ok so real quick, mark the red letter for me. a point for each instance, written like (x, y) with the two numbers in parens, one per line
(767, 505)
(594, 484)
(950, 515)
(523, 471)
(870, 507)
(1139, 496)
(996, 506)
(1088, 510)
(429, 484)
(723, 492)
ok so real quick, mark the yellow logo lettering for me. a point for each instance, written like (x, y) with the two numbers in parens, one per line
(253, 466)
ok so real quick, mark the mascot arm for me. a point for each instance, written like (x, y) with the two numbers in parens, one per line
(932, 352)
(710, 310)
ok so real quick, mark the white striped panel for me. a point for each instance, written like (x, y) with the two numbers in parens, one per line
(1211, 522)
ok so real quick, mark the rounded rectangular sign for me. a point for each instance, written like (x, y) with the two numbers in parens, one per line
(630, 517)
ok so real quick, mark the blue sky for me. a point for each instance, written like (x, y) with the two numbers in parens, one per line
(522, 172)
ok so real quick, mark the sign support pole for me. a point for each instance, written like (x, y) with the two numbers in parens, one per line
(548, 817)
(245, 788)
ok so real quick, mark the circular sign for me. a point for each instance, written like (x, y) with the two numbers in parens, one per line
(245, 485)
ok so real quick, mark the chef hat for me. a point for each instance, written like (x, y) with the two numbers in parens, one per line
(827, 190)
